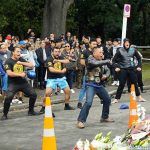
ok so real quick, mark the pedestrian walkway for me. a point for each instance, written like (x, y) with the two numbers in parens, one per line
(56, 99)
(27, 131)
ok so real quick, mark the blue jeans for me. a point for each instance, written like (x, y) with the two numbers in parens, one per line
(82, 91)
(90, 92)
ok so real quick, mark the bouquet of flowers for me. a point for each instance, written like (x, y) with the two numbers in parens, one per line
(137, 136)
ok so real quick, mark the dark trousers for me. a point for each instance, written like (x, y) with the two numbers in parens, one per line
(139, 80)
(41, 75)
(123, 75)
(90, 92)
(113, 73)
(79, 78)
(69, 77)
(13, 88)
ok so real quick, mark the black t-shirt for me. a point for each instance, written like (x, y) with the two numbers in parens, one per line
(12, 65)
(57, 66)
(85, 54)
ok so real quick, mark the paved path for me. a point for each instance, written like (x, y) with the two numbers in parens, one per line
(25, 133)
(55, 98)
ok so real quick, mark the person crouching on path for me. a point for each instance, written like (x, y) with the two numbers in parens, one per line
(14, 67)
(94, 77)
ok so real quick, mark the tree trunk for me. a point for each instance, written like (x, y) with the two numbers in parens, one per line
(54, 16)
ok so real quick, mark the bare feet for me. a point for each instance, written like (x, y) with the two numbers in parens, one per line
(142, 100)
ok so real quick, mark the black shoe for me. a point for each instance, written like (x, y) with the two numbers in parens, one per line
(68, 107)
(32, 113)
(20, 99)
(53, 115)
(79, 105)
(108, 120)
(56, 93)
(4, 117)
(143, 91)
(42, 111)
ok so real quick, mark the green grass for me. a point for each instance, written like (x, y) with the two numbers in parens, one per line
(146, 72)
(146, 67)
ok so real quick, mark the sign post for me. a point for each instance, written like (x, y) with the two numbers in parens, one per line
(126, 14)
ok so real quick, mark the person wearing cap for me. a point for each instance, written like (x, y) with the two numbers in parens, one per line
(8, 37)
(123, 62)
(24, 51)
(25, 55)
(8, 40)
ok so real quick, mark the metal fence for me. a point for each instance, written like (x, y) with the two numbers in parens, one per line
(139, 148)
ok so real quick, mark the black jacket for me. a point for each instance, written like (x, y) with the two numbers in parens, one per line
(95, 69)
(39, 53)
(124, 58)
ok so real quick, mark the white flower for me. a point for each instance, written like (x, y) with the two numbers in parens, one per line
(80, 145)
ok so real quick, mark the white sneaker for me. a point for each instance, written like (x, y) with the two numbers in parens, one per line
(117, 83)
(114, 83)
(72, 91)
(61, 91)
(14, 101)
(19, 102)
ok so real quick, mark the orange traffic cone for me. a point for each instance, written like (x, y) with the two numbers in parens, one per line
(49, 139)
(133, 117)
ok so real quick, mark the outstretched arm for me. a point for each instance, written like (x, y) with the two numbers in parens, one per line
(92, 62)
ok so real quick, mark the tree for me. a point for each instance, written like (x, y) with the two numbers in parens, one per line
(16, 16)
(54, 16)
(98, 17)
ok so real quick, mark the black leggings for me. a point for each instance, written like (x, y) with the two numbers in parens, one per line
(13, 88)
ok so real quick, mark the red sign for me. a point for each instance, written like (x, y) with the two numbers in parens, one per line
(127, 8)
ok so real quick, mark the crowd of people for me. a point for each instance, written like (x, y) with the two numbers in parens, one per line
(60, 62)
